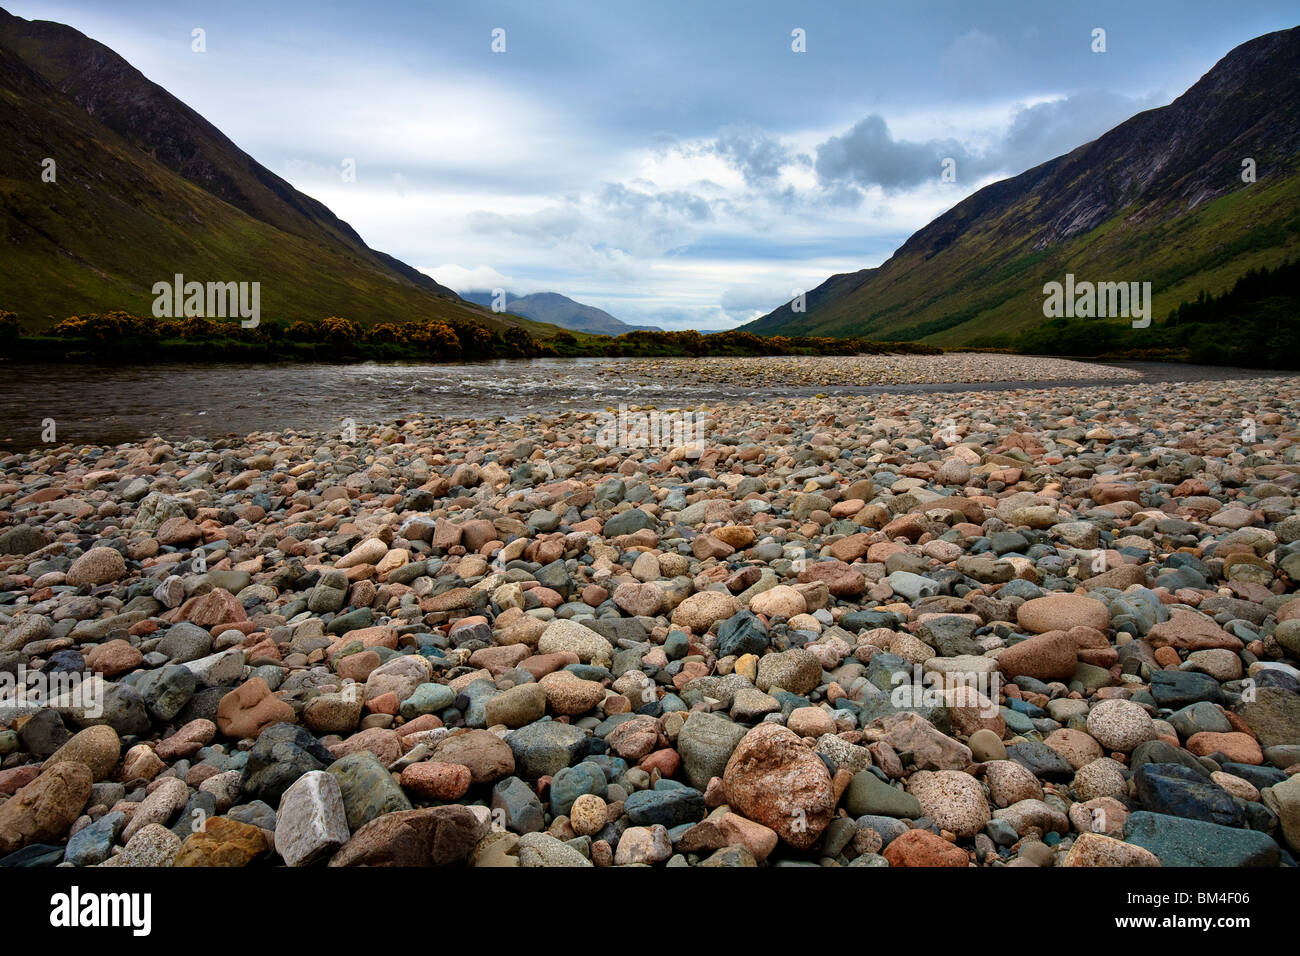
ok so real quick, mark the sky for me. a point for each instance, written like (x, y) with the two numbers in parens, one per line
(680, 163)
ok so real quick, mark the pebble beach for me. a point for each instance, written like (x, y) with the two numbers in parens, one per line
(1031, 627)
(810, 371)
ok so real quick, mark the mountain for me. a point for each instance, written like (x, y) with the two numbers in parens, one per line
(560, 310)
(146, 188)
(1160, 198)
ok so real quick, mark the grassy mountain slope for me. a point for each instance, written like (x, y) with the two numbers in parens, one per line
(147, 188)
(1159, 198)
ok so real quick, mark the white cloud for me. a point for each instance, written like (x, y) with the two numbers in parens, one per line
(646, 209)
(474, 279)
(679, 232)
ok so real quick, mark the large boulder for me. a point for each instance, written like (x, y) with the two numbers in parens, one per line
(42, 811)
(431, 836)
(775, 780)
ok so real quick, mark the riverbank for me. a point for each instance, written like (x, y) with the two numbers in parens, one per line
(124, 337)
(511, 643)
(109, 402)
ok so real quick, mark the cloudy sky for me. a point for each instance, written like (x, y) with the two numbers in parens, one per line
(676, 162)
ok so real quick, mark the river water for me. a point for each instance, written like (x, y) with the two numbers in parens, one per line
(104, 404)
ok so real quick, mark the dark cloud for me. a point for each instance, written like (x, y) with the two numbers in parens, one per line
(868, 155)
(842, 194)
(673, 203)
(759, 157)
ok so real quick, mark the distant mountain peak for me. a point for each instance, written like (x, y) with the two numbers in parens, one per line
(557, 309)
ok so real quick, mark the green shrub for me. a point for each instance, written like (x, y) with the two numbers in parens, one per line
(104, 328)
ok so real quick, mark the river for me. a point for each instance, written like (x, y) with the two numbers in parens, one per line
(105, 404)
